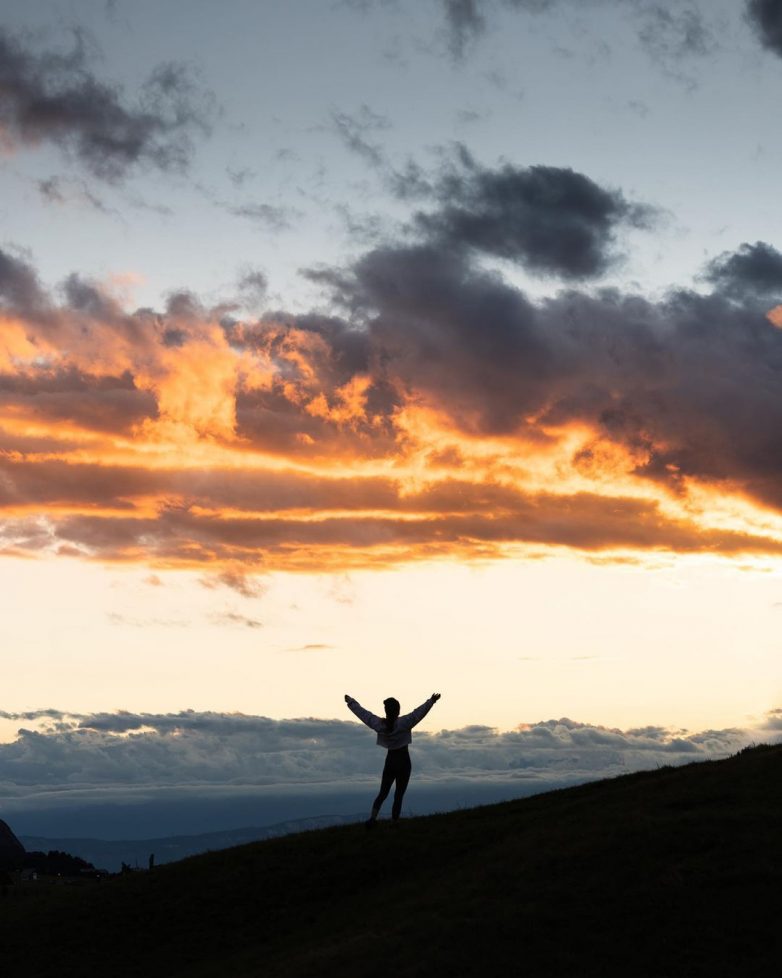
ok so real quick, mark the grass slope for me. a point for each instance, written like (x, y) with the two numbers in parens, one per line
(667, 873)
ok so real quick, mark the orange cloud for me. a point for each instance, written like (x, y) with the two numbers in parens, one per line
(194, 387)
(775, 316)
(185, 438)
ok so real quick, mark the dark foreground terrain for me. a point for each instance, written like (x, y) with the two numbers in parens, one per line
(667, 873)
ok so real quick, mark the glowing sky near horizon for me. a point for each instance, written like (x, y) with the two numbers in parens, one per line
(313, 384)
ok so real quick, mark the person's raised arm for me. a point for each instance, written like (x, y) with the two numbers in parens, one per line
(364, 716)
(420, 711)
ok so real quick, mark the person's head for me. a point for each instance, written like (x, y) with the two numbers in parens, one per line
(392, 711)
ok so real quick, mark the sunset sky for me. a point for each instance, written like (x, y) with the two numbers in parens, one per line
(383, 347)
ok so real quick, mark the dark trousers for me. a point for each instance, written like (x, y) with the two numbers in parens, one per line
(397, 768)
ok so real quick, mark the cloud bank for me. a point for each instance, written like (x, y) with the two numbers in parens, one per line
(429, 408)
(436, 411)
(59, 757)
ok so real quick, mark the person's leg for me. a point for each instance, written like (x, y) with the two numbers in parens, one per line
(404, 767)
(385, 786)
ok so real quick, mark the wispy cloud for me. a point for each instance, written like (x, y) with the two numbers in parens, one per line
(54, 96)
(311, 647)
(135, 622)
(355, 131)
(667, 32)
(234, 618)
(237, 580)
(63, 190)
(272, 217)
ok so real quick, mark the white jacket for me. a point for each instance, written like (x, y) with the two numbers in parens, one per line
(400, 736)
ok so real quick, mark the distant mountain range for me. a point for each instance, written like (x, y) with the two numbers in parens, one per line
(110, 854)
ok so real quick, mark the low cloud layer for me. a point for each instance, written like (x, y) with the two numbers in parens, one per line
(53, 96)
(99, 756)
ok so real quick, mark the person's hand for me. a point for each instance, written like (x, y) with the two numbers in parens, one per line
(348, 698)
(435, 696)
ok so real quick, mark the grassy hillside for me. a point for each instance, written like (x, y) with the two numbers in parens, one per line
(666, 873)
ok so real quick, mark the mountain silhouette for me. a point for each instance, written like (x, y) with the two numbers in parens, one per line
(112, 853)
(11, 849)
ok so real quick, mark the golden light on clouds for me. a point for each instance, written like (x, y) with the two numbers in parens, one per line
(461, 406)
(775, 316)
(187, 437)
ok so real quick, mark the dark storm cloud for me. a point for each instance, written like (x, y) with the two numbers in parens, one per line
(551, 220)
(691, 383)
(752, 270)
(49, 96)
(448, 328)
(19, 285)
(337, 349)
(766, 19)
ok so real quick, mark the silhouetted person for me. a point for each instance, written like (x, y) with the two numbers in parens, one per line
(393, 733)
